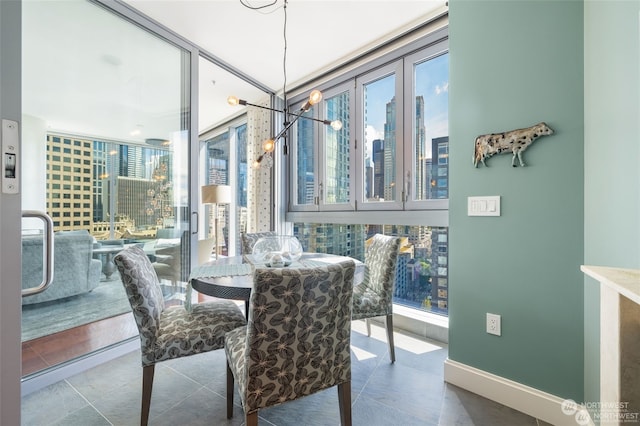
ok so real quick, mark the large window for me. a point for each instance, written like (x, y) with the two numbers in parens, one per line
(380, 176)
(225, 163)
(388, 164)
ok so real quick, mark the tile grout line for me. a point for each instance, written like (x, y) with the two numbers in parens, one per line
(88, 403)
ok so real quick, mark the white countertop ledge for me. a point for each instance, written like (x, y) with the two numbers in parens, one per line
(624, 281)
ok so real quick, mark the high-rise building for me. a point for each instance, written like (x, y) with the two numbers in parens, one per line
(143, 201)
(368, 178)
(430, 181)
(440, 269)
(440, 167)
(378, 168)
(420, 180)
(305, 141)
(69, 182)
(337, 152)
(390, 184)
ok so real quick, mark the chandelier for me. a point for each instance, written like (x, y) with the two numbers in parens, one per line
(269, 145)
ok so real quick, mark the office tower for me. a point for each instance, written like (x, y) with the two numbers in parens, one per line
(440, 167)
(420, 180)
(69, 182)
(389, 190)
(378, 169)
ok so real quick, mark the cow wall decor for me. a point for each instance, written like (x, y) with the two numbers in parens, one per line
(514, 141)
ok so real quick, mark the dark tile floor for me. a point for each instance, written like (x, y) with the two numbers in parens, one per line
(191, 391)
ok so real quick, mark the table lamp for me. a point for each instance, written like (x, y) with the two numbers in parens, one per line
(216, 194)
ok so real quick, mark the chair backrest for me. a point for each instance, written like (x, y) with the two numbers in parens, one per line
(299, 332)
(250, 238)
(145, 296)
(381, 257)
(205, 248)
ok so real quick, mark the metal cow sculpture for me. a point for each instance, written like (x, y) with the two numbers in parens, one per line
(515, 141)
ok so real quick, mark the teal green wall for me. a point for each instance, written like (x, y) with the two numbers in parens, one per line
(514, 64)
(612, 155)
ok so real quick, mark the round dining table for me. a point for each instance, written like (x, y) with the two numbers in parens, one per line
(232, 277)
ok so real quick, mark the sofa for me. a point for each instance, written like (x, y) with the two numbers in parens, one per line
(75, 271)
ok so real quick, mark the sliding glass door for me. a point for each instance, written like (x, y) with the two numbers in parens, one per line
(106, 126)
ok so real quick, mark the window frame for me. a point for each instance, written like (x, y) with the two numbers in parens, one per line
(395, 69)
(432, 212)
(323, 130)
(410, 62)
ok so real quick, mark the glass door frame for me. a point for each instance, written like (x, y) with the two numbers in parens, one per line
(11, 215)
(56, 373)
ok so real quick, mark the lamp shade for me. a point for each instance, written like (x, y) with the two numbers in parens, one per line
(216, 194)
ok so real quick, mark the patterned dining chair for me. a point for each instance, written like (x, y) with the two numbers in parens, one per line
(167, 264)
(249, 239)
(373, 297)
(297, 341)
(169, 332)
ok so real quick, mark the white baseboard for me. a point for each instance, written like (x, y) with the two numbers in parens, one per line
(525, 399)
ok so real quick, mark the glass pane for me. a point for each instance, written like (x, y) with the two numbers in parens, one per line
(217, 169)
(336, 185)
(305, 160)
(242, 183)
(431, 138)
(421, 273)
(133, 194)
(105, 143)
(380, 135)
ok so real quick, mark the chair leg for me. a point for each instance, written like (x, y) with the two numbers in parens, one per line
(344, 400)
(392, 350)
(251, 419)
(229, 392)
(368, 324)
(147, 387)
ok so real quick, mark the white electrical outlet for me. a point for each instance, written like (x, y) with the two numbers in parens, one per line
(494, 325)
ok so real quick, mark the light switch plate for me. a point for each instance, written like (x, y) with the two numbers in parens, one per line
(483, 206)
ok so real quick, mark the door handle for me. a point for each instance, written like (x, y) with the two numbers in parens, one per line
(47, 252)
(197, 227)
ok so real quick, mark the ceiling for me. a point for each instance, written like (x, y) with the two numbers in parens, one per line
(321, 34)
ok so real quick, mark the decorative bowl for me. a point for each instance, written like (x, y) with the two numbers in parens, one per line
(277, 251)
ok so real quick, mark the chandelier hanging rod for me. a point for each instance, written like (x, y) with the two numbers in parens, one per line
(315, 97)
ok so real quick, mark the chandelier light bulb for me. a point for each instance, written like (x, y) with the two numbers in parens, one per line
(256, 163)
(233, 100)
(269, 145)
(336, 125)
(315, 96)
